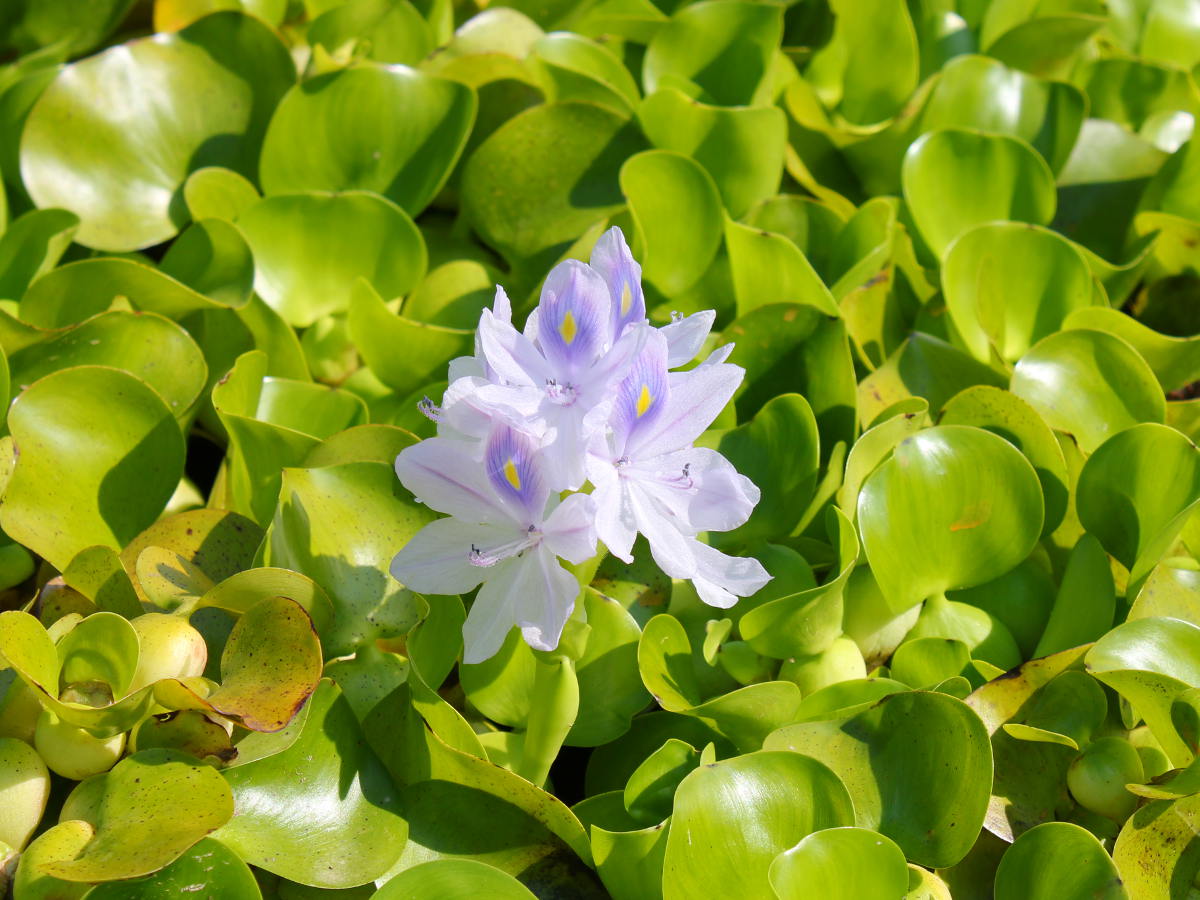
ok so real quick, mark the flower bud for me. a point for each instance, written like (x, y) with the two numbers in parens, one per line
(1098, 776)
(170, 648)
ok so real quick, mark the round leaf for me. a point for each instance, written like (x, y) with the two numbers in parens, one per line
(452, 879)
(841, 864)
(1058, 861)
(732, 818)
(116, 156)
(930, 524)
(120, 445)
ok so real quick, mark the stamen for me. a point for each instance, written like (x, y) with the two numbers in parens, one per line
(561, 394)
(429, 409)
(676, 316)
(485, 557)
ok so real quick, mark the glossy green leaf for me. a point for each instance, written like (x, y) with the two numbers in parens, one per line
(870, 65)
(31, 246)
(1150, 662)
(389, 31)
(768, 268)
(650, 791)
(116, 158)
(678, 215)
(1058, 860)
(1136, 492)
(153, 806)
(122, 446)
(323, 811)
(212, 257)
(1155, 853)
(610, 690)
(1008, 285)
(956, 179)
(452, 879)
(544, 176)
(1173, 359)
(1121, 389)
(723, 47)
(209, 863)
(741, 147)
(341, 525)
(377, 332)
(917, 765)
(405, 159)
(1086, 600)
(294, 238)
(218, 193)
(842, 863)
(969, 531)
(24, 790)
(585, 69)
(60, 842)
(732, 818)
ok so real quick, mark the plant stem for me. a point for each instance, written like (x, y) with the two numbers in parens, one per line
(553, 707)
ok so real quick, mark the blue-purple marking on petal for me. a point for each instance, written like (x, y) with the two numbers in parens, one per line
(514, 470)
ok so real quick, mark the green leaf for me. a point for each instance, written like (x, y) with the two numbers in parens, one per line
(32, 246)
(74, 292)
(322, 812)
(377, 332)
(59, 842)
(121, 445)
(24, 789)
(134, 342)
(610, 689)
(217, 193)
(390, 31)
(1155, 853)
(870, 66)
(732, 818)
(1150, 662)
(1058, 861)
(296, 237)
(1046, 46)
(153, 806)
(1086, 600)
(452, 879)
(209, 863)
(650, 791)
(845, 863)
(341, 525)
(677, 216)
(741, 147)
(1173, 359)
(956, 179)
(212, 257)
(117, 157)
(1007, 415)
(1008, 285)
(406, 159)
(918, 767)
(722, 47)
(585, 69)
(969, 530)
(768, 268)
(1089, 384)
(1136, 492)
(546, 175)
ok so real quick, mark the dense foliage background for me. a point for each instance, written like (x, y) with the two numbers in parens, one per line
(957, 248)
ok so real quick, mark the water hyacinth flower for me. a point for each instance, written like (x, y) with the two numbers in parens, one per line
(584, 393)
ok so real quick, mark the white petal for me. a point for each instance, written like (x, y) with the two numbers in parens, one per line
(436, 560)
(448, 475)
(570, 531)
(464, 367)
(670, 548)
(615, 524)
(697, 397)
(511, 356)
(724, 498)
(546, 597)
(502, 306)
(718, 575)
(492, 614)
(686, 336)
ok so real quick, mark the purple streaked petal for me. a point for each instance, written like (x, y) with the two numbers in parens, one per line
(643, 394)
(514, 469)
(720, 579)
(447, 475)
(696, 398)
(685, 336)
(437, 559)
(621, 272)
(570, 530)
(572, 323)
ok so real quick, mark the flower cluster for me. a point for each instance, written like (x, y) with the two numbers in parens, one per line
(584, 394)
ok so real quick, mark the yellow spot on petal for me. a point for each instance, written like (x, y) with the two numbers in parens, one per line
(645, 400)
(626, 299)
(511, 473)
(567, 329)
